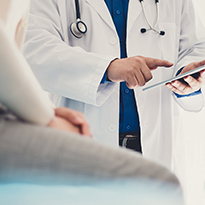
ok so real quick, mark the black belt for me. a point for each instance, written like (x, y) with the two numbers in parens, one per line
(131, 141)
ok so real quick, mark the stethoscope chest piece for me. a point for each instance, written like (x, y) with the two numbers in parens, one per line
(78, 28)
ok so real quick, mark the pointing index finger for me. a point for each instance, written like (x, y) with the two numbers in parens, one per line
(153, 63)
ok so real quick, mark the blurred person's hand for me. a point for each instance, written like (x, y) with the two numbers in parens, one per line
(70, 120)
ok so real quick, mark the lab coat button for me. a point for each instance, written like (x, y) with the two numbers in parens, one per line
(128, 127)
(113, 41)
(118, 12)
(126, 91)
(112, 128)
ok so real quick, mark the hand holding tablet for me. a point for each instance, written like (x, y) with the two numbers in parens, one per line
(194, 73)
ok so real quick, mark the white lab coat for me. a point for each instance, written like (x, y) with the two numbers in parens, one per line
(73, 68)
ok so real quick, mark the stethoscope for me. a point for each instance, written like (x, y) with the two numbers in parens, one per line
(79, 28)
(153, 28)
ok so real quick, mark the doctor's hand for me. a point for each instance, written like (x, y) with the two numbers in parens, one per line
(136, 71)
(70, 120)
(190, 83)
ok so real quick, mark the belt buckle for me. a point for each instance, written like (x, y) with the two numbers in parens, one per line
(124, 141)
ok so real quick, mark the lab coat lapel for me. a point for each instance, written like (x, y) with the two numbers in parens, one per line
(101, 8)
(134, 10)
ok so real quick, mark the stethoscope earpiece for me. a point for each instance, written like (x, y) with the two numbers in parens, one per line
(162, 33)
(78, 28)
(143, 30)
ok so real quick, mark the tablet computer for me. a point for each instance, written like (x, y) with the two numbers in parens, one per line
(194, 73)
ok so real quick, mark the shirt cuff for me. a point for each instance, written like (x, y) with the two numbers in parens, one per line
(105, 79)
(198, 92)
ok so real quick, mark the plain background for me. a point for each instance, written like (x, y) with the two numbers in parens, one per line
(194, 144)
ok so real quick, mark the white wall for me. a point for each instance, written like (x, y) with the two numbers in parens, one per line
(200, 6)
(194, 145)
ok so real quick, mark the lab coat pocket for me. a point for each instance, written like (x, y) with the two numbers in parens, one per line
(168, 42)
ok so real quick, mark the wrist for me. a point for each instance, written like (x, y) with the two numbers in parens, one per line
(110, 68)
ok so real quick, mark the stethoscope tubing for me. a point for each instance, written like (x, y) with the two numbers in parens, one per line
(77, 8)
(146, 18)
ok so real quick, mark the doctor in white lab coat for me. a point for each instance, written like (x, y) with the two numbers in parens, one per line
(72, 69)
